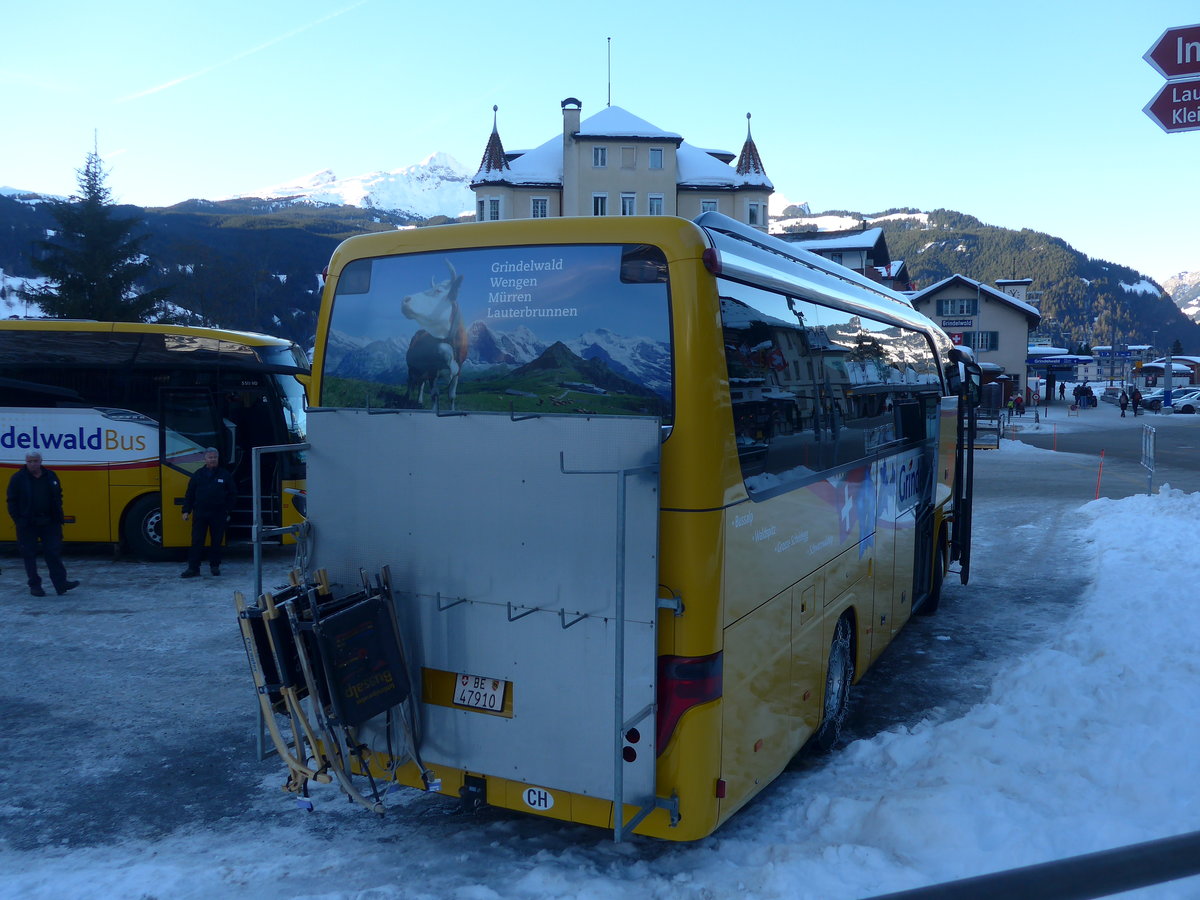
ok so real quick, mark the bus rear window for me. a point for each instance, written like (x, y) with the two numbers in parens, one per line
(525, 330)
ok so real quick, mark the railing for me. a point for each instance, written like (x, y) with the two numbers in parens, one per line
(1077, 877)
(258, 530)
(1149, 440)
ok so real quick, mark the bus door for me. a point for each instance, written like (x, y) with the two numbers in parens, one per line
(189, 423)
(904, 508)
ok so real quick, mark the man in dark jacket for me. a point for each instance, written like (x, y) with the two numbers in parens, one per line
(210, 496)
(36, 506)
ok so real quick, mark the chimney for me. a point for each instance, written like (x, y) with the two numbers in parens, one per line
(570, 158)
(570, 110)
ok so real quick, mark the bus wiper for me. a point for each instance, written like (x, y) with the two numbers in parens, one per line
(437, 410)
(512, 414)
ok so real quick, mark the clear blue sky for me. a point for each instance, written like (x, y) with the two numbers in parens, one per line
(1022, 113)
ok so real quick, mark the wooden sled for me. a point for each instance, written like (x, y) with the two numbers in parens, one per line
(265, 673)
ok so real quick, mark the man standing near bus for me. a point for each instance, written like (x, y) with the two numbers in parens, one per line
(211, 494)
(36, 506)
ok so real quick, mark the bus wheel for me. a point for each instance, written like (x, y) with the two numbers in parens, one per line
(143, 529)
(837, 687)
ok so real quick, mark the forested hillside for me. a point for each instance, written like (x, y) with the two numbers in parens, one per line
(1092, 298)
(254, 264)
(245, 264)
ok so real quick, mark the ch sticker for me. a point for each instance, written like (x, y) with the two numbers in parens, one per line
(536, 798)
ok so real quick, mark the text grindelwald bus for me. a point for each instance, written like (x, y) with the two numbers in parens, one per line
(123, 411)
(647, 496)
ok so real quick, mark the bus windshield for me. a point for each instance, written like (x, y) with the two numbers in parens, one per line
(581, 329)
(291, 391)
(292, 396)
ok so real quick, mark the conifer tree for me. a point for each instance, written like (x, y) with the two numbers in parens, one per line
(94, 260)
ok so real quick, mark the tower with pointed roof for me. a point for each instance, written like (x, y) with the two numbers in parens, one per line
(614, 163)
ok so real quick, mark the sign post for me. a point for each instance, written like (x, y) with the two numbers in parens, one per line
(1176, 106)
(1176, 56)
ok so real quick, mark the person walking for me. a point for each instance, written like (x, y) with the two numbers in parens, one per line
(1062, 390)
(210, 496)
(1135, 400)
(35, 503)
(1019, 404)
(1123, 401)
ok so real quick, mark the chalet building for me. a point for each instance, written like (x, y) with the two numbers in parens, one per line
(615, 164)
(994, 323)
(864, 250)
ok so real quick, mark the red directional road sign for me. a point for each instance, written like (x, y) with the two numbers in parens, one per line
(1176, 107)
(1177, 53)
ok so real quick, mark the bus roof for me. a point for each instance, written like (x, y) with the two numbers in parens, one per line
(746, 254)
(249, 338)
(750, 256)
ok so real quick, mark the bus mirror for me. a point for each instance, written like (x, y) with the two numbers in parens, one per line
(967, 381)
(973, 377)
(954, 380)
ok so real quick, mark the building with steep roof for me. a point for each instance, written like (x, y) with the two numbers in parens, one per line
(864, 250)
(994, 323)
(615, 164)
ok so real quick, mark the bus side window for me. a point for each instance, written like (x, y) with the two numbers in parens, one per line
(816, 389)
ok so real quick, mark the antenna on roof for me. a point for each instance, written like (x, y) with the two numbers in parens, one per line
(609, 103)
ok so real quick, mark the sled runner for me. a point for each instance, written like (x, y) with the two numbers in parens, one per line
(270, 690)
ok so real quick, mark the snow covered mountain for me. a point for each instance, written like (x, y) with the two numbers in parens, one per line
(437, 186)
(638, 359)
(1184, 289)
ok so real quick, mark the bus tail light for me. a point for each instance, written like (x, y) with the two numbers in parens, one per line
(684, 682)
(712, 260)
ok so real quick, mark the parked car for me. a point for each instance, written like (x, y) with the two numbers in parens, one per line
(1186, 401)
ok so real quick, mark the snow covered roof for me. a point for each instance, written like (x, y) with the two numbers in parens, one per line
(1191, 359)
(612, 121)
(698, 168)
(1162, 366)
(1030, 311)
(861, 239)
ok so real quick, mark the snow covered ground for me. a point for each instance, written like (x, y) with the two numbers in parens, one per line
(130, 772)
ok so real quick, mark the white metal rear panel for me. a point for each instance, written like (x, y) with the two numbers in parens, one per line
(504, 565)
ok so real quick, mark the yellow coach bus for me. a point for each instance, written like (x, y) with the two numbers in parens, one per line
(647, 496)
(123, 411)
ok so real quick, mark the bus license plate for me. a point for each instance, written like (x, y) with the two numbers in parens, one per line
(480, 693)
